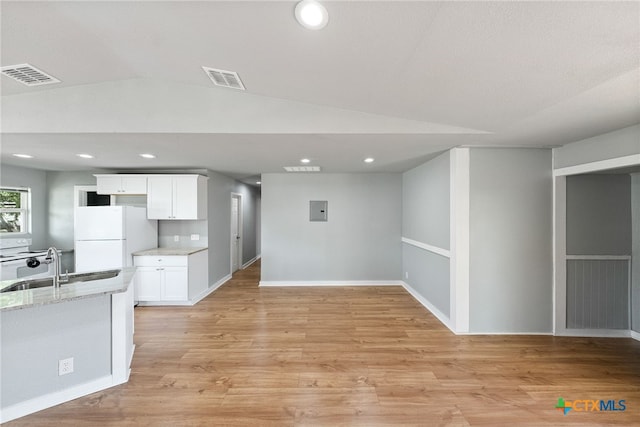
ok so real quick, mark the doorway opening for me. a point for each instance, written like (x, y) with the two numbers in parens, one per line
(236, 232)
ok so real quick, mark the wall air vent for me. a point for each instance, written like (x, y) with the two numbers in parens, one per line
(224, 78)
(302, 168)
(28, 75)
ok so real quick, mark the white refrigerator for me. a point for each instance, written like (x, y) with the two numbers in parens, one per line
(106, 236)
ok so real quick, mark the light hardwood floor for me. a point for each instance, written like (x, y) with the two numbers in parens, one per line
(347, 356)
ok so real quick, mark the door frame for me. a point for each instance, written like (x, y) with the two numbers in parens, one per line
(560, 243)
(231, 236)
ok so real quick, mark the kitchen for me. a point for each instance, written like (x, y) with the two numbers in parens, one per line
(163, 240)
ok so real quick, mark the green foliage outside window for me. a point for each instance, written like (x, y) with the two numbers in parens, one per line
(13, 211)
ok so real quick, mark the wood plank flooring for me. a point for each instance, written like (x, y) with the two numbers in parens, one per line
(347, 356)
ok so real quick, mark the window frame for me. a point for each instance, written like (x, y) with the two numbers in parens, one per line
(24, 210)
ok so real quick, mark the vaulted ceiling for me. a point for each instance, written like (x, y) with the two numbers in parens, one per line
(397, 81)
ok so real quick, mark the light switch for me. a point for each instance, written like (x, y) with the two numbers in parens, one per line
(318, 210)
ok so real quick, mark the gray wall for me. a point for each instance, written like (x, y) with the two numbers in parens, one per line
(635, 274)
(425, 218)
(623, 142)
(425, 202)
(60, 188)
(599, 215)
(13, 176)
(250, 197)
(259, 225)
(360, 241)
(33, 340)
(510, 241)
(167, 230)
(61, 211)
(219, 223)
(598, 223)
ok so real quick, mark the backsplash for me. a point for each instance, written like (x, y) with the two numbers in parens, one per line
(184, 230)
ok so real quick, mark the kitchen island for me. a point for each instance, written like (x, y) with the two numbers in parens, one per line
(61, 344)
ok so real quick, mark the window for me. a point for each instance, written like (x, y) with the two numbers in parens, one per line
(14, 210)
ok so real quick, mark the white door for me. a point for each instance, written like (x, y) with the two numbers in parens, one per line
(236, 221)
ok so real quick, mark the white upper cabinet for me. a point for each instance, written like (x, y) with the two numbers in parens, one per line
(176, 197)
(121, 184)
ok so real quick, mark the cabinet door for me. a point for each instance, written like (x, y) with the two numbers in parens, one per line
(185, 197)
(108, 185)
(148, 281)
(134, 185)
(176, 284)
(160, 197)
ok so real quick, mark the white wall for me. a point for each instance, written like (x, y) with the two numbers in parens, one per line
(360, 241)
(14, 176)
(426, 220)
(623, 142)
(510, 241)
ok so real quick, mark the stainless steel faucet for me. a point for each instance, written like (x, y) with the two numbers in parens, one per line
(53, 256)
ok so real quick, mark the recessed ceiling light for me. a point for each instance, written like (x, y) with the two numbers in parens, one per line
(369, 160)
(24, 156)
(311, 14)
(147, 156)
(85, 156)
(258, 182)
(305, 161)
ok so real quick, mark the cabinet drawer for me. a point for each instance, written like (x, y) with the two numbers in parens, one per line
(160, 261)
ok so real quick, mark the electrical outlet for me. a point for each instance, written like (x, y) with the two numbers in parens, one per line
(406, 274)
(65, 366)
(176, 238)
(195, 237)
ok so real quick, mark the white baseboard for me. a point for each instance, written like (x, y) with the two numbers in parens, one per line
(432, 308)
(635, 335)
(210, 289)
(194, 301)
(52, 399)
(507, 333)
(248, 263)
(161, 303)
(266, 283)
(594, 333)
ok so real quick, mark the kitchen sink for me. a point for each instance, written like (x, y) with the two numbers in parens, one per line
(73, 278)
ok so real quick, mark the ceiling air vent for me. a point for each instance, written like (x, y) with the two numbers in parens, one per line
(28, 75)
(302, 168)
(224, 78)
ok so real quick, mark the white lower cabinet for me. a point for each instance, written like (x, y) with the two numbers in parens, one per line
(169, 278)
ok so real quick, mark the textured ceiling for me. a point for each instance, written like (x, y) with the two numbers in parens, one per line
(447, 73)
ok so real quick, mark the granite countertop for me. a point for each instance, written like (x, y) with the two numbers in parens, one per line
(68, 291)
(168, 251)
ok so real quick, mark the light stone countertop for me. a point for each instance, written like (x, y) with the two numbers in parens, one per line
(168, 251)
(68, 291)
